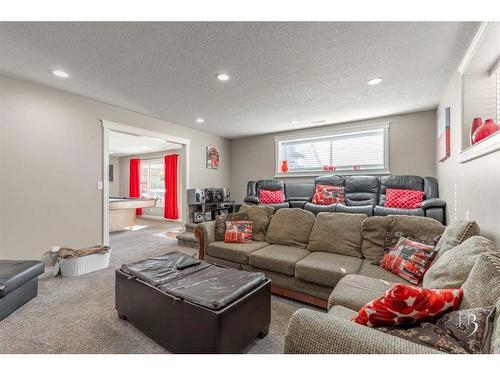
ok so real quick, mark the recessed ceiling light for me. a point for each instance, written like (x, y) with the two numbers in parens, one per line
(60, 73)
(111, 152)
(294, 122)
(199, 120)
(375, 81)
(223, 76)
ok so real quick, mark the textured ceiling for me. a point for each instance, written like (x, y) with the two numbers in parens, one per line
(280, 72)
(121, 144)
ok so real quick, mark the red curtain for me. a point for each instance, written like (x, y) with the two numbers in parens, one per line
(171, 210)
(135, 181)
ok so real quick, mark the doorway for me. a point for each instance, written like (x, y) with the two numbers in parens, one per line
(128, 150)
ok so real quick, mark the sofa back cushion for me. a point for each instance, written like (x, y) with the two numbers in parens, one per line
(333, 180)
(290, 226)
(299, 192)
(452, 269)
(399, 182)
(272, 185)
(361, 190)
(456, 233)
(337, 233)
(260, 216)
(374, 229)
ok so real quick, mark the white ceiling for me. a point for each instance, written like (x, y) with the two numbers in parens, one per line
(121, 144)
(280, 72)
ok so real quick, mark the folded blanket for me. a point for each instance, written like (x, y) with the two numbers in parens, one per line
(72, 253)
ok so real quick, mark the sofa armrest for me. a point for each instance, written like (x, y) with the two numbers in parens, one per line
(433, 203)
(315, 332)
(205, 233)
(251, 199)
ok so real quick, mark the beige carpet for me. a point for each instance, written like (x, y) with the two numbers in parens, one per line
(77, 315)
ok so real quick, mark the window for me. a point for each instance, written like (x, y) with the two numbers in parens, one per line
(348, 151)
(153, 180)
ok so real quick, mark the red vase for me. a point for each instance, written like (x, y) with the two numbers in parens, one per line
(284, 166)
(485, 130)
(476, 123)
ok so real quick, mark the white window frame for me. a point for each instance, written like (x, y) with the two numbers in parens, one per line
(337, 130)
(149, 162)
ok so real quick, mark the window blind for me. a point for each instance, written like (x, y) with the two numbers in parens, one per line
(363, 149)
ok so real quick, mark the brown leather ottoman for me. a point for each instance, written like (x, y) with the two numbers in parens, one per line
(202, 308)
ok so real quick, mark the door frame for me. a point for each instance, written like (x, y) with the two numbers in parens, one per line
(108, 126)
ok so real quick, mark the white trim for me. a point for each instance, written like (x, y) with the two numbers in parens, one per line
(486, 146)
(474, 46)
(328, 132)
(108, 126)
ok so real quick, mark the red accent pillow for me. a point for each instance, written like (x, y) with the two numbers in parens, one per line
(271, 196)
(409, 260)
(401, 198)
(238, 231)
(328, 194)
(405, 304)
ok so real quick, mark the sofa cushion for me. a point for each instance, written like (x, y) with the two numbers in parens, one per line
(385, 211)
(317, 208)
(361, 190)
(495, 337)
(373, 231)
(452, 269)
(482, 287)
(290, 226)
(377, 272)
(234, 252)
(342, 312)
(326, 268)
(355, 291)
(278, 258)
(456, 233)
(367, 210)
(261, 216)
(337, 233)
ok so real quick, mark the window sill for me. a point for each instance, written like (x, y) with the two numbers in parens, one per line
(485, 147)
(365, 172)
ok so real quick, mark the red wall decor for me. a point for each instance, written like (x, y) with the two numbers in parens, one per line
(329, 168)
(444, 135)
(284, 166)
(476, 123)
(488, 128)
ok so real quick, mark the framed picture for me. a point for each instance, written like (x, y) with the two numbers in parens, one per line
(212, 157)
(444, 135)
(111, 173)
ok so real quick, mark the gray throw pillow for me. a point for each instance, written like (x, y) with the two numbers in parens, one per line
(456, 233)
(452, 269)
(482, 287)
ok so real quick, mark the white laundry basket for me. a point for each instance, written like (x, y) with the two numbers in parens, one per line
(72, 267)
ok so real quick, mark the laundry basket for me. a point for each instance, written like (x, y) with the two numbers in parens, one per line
(72, 267)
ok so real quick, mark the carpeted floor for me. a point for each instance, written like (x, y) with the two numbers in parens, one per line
(77, 315)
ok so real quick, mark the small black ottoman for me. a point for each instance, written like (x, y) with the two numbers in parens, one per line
(199, 308)
(18, 284)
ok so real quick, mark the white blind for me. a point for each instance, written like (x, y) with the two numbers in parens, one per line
(365, 149)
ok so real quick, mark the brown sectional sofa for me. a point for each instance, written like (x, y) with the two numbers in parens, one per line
(306, 256)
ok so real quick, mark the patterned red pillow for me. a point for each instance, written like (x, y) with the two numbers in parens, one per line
(401, 198)
(271, 196)
(405, 304)
(238, 231)
(409, 260)
(328, 194)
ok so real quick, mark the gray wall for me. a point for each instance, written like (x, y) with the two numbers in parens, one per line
(471, 189)
(114, 186)
(411, 151)
(51, 160)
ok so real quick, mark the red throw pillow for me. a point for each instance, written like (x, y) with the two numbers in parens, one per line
(271, 196)
(401, 198)
(328, 194)
(238, 231)
(409, 260)
(405, 304)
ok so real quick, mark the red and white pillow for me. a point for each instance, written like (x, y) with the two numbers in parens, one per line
(271, 196)
(405, 304)
(328, 194)
(409, 260)
(238, 232)
(402, 198)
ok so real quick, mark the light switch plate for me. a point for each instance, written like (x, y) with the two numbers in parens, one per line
(100, 185)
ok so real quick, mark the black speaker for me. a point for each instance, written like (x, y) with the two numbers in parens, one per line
(208, 216)
(226, 194)
(196, 196)
(218, 194)
(198, 217)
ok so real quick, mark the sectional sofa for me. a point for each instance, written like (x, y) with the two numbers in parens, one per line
(363, 195)
(305, 255)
